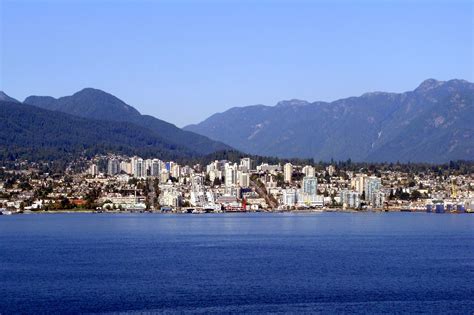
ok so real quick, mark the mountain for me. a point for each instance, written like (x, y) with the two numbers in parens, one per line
(87, 103)
(5, 98)
(33, 133)
(99, 105)
(432, 123)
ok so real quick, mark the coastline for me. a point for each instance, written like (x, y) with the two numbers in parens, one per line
(306, 211)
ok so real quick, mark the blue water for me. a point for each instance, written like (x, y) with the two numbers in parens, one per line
(237, 263)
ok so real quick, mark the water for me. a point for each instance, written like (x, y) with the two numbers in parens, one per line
(237, 263)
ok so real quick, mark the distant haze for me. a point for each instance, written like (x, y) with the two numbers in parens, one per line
(183, 61)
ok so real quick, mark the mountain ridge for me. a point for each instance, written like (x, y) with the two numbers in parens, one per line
(97, 104)
(360, 128)
(5, 98)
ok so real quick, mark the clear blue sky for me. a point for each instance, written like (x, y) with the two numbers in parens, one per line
(182, 61)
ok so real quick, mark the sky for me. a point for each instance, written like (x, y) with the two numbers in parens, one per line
(183, 61)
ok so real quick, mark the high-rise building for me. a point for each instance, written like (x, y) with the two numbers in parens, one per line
(147, 164)
(289, 197)
(378, 199)
(310, 185)
(197, 194)
(138, 167)
(213, 174)
(358, 183)
(169, 165)
(126, 167)
(94, 170)
(230, 175)
(164, 176)
(308, 195)
(265, 167)
(287, 172)
(113, 166)
(155, 168)
(175, 170)
(350, 199)
(244, 180)
(170, 196)
(372, 186)
(308, 170)
(246, 164)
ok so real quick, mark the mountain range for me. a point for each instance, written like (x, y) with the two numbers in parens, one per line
(433, 123)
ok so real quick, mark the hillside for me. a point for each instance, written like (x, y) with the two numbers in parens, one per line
(433, 123)
(99, 105)
(33, 133)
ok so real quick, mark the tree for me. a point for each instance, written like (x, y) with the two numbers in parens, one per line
(91, 198)
(280, 180)
(186, 203)
(65, 203)
(415, 195)
(133, 181)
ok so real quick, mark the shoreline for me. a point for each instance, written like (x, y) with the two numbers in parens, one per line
(308, 211)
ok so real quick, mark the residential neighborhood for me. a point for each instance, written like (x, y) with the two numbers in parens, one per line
(114, 183)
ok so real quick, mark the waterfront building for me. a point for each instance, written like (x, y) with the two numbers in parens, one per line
(372, 186)
(350, 199)
(308, 195)
(198, 196)
(289, 197)
(378, 199)
(170, 196)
